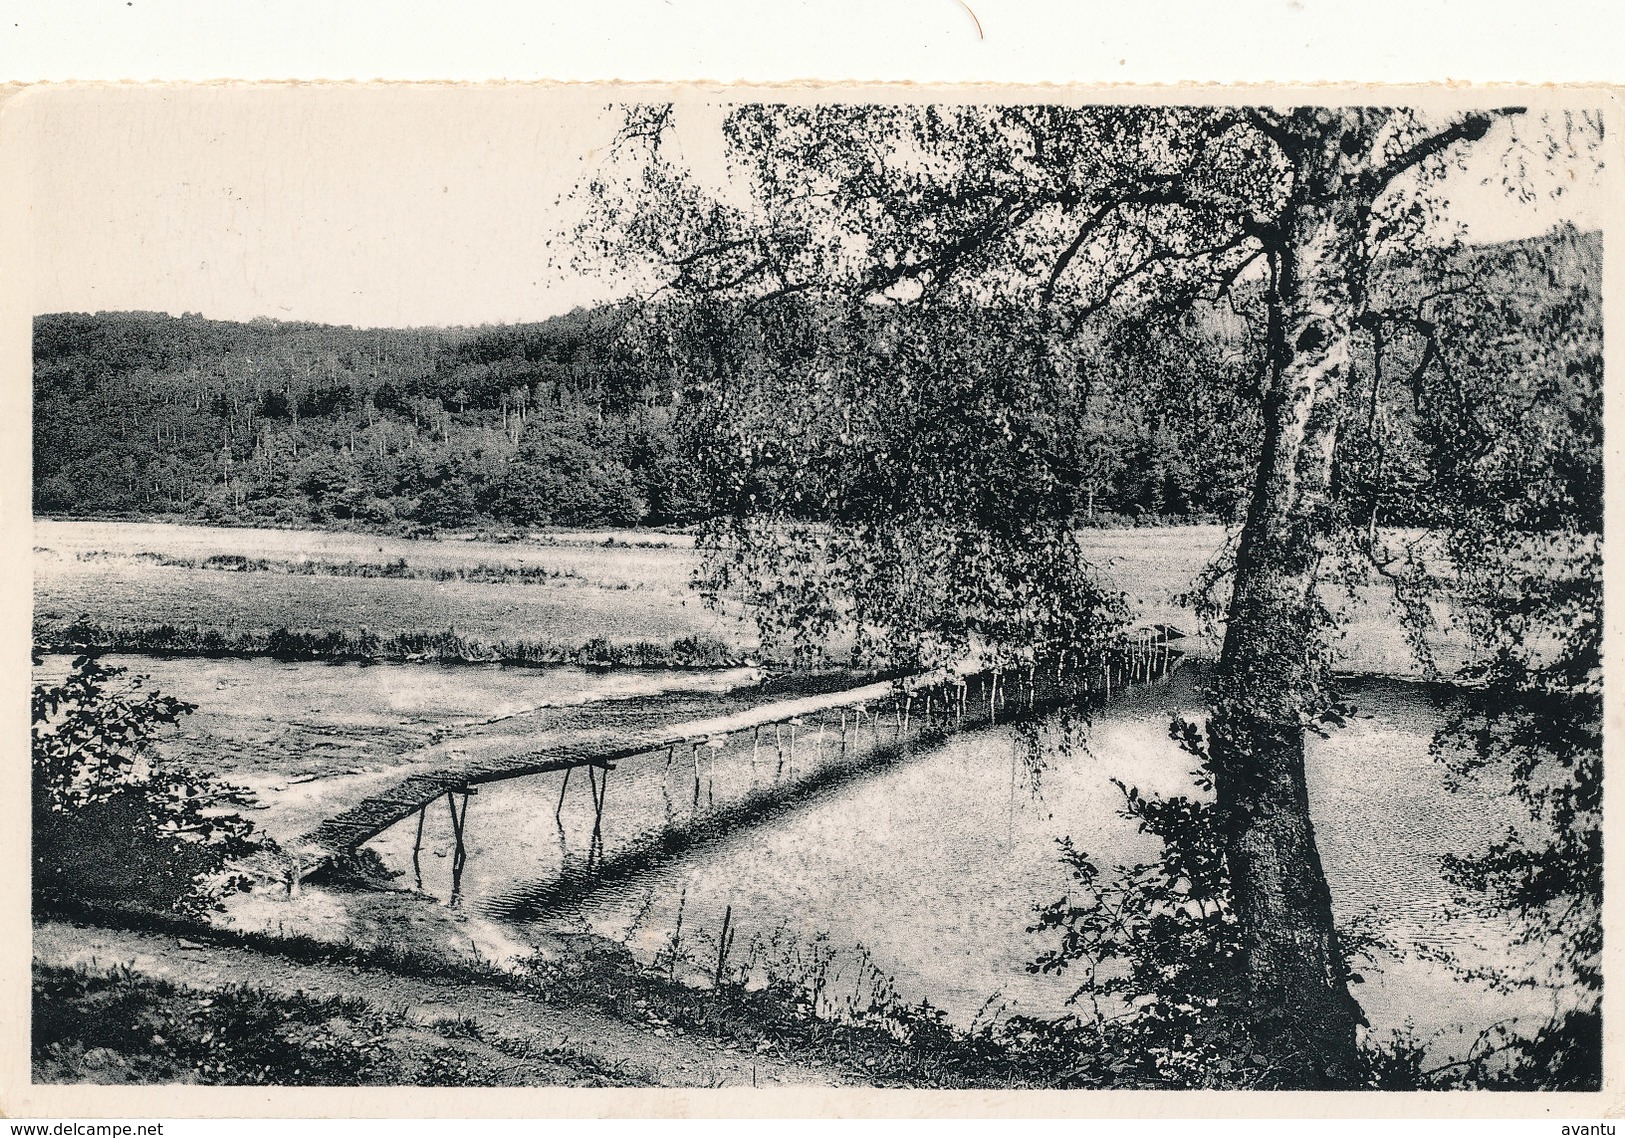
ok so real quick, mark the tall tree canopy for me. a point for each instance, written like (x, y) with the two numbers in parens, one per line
(916, 285)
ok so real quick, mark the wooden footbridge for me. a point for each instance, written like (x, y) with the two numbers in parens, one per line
(594, 738)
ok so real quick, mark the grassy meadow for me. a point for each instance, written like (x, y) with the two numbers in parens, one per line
(599, 598)
(155, 586)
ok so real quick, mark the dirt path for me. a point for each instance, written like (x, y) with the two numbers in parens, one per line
(605, 1042)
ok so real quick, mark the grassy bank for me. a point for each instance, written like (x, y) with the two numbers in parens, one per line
(117, 1026)
(882, 1041)
(482, 573)
(346, 645)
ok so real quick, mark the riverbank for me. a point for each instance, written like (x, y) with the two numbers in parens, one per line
(118, 1005)
(346, 646)
(582, 1012)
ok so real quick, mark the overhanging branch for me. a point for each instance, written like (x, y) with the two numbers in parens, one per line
(1470, 129)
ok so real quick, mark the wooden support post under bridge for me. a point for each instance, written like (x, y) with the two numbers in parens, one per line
(558, 810)
(459, 856)
(417, 846)
(694, 757)
(598, 778)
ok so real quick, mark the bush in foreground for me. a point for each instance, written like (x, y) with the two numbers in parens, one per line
(112, 823)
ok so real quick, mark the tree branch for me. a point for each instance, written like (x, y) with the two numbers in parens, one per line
(1262, 120)
(1170, 192)
(1158, 257)
(941, 263)
(712, 251)
(1470, 129)
(1085, 231)
(1229, 279)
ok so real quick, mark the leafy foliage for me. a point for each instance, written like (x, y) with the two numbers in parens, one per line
(1160, 953)
(1158, 949)
(899, 478)
(1507, 384)
(1316, 226)
(1564, 1054)
(119, 1026)
(233, 1035)
(111, 822)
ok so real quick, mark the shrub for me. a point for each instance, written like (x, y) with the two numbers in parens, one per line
(113, 823)
(1159, 953)
(555, 480)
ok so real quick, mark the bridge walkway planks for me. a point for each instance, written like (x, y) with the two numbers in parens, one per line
(600, 734)
(597, 734)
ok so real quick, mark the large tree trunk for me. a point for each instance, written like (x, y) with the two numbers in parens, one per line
(1272, 670)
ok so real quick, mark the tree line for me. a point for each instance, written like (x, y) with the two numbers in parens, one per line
(926, 343)
(577, 421)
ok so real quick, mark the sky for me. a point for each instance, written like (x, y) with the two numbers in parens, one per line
(385, 206)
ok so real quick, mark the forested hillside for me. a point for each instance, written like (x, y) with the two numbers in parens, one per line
(573, 422)
(142, 413)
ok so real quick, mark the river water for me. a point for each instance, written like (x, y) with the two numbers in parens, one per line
(927, 868)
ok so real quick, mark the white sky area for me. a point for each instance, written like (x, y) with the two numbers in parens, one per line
(395, 207)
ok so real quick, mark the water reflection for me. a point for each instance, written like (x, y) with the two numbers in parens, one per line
(934, 855)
